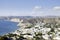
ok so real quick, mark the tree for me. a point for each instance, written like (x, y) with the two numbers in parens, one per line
(38, 36)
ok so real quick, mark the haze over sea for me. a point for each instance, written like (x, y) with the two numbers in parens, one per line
(7, 27)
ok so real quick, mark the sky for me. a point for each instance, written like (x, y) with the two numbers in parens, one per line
(29, 7)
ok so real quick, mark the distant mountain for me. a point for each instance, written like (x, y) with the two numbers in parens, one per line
(26, 17)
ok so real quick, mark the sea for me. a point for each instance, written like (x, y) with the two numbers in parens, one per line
(7, 27)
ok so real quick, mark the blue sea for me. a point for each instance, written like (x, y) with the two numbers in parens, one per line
(7, 27)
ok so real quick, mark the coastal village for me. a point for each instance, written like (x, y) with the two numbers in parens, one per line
(35, 29)
(29, 19)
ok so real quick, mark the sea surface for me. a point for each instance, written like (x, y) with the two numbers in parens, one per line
(7, 27)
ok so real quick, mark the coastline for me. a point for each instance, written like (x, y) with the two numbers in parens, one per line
(11, 27)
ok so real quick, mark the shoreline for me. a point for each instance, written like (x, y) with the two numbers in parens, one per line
(10, 31)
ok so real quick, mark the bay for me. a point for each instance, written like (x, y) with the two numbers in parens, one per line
(7, 27)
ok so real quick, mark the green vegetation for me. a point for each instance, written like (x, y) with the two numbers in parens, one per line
(29, 26)
(38, 36)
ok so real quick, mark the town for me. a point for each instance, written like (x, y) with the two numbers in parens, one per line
(34, 28)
